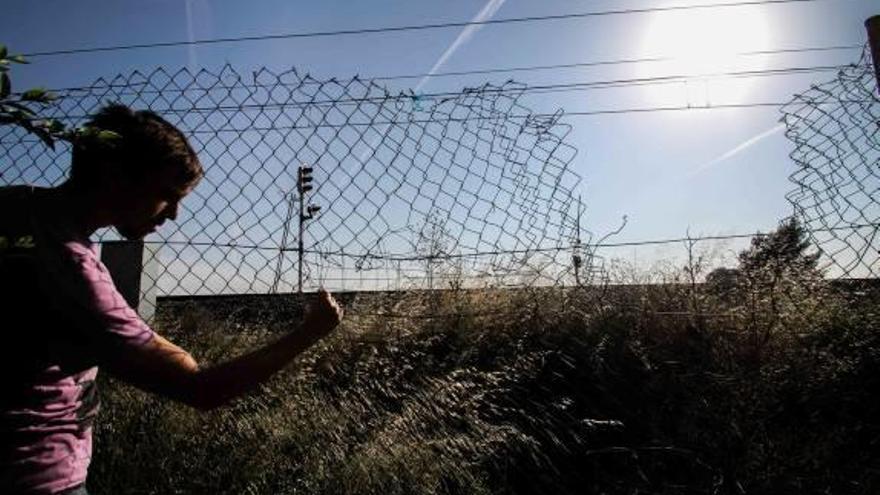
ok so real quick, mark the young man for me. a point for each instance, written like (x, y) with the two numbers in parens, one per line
(63, 317)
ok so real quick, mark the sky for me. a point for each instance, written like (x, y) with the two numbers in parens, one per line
(702, 171)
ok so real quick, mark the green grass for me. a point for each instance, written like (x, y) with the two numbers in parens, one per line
(665, 389)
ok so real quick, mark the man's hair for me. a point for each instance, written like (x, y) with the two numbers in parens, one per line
(141, 142)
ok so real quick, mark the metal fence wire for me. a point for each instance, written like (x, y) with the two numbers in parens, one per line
(467, 189)
(835, 128)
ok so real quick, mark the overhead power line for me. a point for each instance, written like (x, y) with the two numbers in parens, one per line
(532, 68)
(529, 89)
(600, 63)
(586, 113)
(400, 257)
(406, 28)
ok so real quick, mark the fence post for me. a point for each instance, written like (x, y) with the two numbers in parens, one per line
(872, 24)
(133, 265)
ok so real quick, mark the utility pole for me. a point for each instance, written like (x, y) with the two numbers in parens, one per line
(872, 24)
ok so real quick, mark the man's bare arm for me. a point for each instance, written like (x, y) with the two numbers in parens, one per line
(164, 368)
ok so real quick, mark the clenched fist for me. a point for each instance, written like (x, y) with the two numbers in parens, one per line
(322, 315)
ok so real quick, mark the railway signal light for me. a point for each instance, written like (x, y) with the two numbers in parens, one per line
(310, 212)
(304, 179)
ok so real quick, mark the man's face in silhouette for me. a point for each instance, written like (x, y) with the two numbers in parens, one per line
(143, 204)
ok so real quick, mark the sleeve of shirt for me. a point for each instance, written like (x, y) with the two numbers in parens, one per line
(87, 295)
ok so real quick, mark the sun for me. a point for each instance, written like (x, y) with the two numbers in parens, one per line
(704, 44)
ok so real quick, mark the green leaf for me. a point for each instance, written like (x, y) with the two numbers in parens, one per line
(3, 51)
(55, 126)
(108, 136)
(5, 85)
(18, 106)
(44, 136)
(23, 121)
(35, 94)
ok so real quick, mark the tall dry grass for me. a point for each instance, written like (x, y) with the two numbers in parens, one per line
(664, 388)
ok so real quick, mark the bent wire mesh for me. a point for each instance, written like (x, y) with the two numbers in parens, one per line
(835, 128)
(467, 189)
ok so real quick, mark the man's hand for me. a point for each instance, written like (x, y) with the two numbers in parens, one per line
(322, 316)
(162, 367)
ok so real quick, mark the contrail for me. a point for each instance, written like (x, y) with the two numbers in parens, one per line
(466, 34)
(191, 52)
(748, 143)
(486, 13)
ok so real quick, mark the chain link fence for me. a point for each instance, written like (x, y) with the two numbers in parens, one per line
(453, 190)
(463, 189)
(835, 128)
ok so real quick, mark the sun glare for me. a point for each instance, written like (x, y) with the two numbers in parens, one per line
(704, 44)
